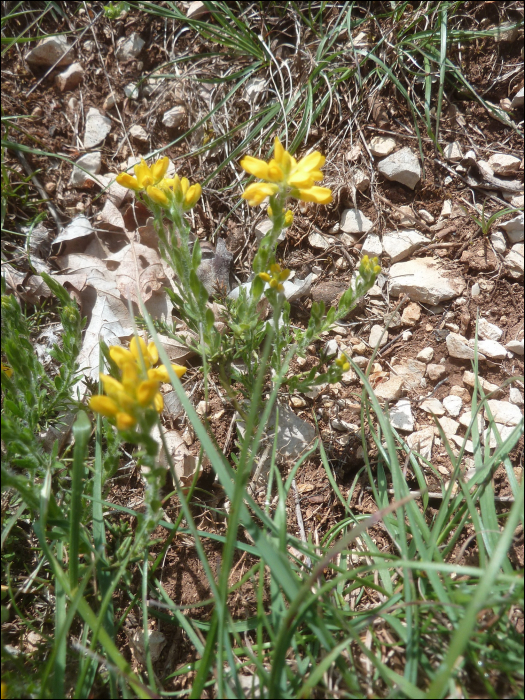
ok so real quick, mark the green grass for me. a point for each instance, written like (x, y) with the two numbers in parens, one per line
(412, 620)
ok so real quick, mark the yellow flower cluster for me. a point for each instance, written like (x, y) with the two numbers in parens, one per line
(136, 390)
(283, 173)
(276, 277)
(343, 363)
(369, 267)
(161, 190)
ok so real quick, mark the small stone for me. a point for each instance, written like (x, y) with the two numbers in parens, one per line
(331, 349)
(490, 348)
(317, 241)
(488, 331)
(426, 216)
(129, 47)
(378, 335)
(348, 377)
(361, 180)
(446, 209)
(449, 425)
(400, 244)
(514, 261)
(139, 135)
(360, 361)
(174, 118)
(110, 101)
(391, 390)
(433, 406)
(452, 327)
(196, 9)
(436, 372)
(466, 418)
(515, 346)
(411, 314)
(341, 263)
(372, 246)
(314, 392)
(262, 228)
(97, 128)
(453, 405)
(359, 347)
(515, 396)
(298, 402)
(70, 78)
(458, 347)
(49, 51)
(406, 336)
(354, 221)
(412, 372)
(514, 228)
(426, 355)
(504, 164)
(402, 166)
(381, 146)
(301, 361)
(475, 291)
(201, 408)
(422, 441)
(517, 100)
(504, 412)
(131, 90)
(503, 430)
(401, 416)
(452, 152)
(488, 387)
(499, 242)
(92, 162)
(423, 280)
(467, 445)
(460, 391)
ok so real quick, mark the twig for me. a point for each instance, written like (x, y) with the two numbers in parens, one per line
(300, 523)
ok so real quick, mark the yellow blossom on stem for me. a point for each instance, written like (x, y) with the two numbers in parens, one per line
(275, 277)
(284, 173)
(144, 175)
(343, 363)
(175, 190)
(369, 267)
(137, 388)
(8, 371)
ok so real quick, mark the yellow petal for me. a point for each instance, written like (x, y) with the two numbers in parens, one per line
(103, 405)
(320, 195)
(159, 169)
(275, 174)
(158, 402)
(112, 387)
(184, 185)
(153, 353)
(7, 370)
(143, 174)
(125, 421)
(257, 192)
(138, 349)
(120, 355)
(278, 150)
(283, 275)
(130, 377)
(256, 167)
(300, 179)
(146, 391)
(288, 218)
(158, 196)
(128, 181)
(192, 196)
(265, 276)
(313, 161)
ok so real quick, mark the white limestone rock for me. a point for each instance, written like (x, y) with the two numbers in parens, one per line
(488, 331)
(381, 146)
(402, 166)
(372, 246)
(97, 128)
(423, 280)
(490, 348)
(499, 242)
(434, 406)
(426, 355)
(70, 78)
(391, 390)
(401, 416)
(514, 228)
(92, 162)
(514, 261)
(515, 346)
(49, 51)
(129, 47)
(504, 412)
(400, 244)
(354, 221)
(453, 405)
(421, 441)
(458, 347)
(378, 335)
(452, 152)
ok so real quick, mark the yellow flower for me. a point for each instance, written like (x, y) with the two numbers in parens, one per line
(137, 387)
(175, 190)
(144, 175)
(369, 267)
(284, 173)
(343, 363)
(276, 276)
(7, 370)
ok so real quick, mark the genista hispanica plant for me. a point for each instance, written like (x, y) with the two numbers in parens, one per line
(280, 179)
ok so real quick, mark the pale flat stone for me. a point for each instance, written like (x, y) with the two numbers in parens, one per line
(381, 146)
(517, 100)
(514, 228)
(262, 228)
(401, 416)
(436, 372)
(422, 280)
(466, 418)
(97, 128)
(515, 396)
(92, 162)
(131, 90)
(49, 51)
(402, 166)
(515, 346)
(298, 402)
(453, 405)
(446, 209)
(468, 445)
(458, 347)
(139, 134)
(361, 180)
(503, 430)
(422, 441)
(354, 221)
(452, 152)
(488, 387)
(504, 412)
(460, 391)
(331, 348)
(426, 355)
(426, 216)
(449, 425)
(514, 261)
(372, 246)
(317, 241)
(196, 9)
(490, 348)
(488, 331)
(499, 242)
(129, 47)
(412, 372)
(349, 377)
(378, 335)
(411, 314)
(175, 117)
(70, 78)
(504, 164)
(433, 405)
(400, 244)
(390, 390)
